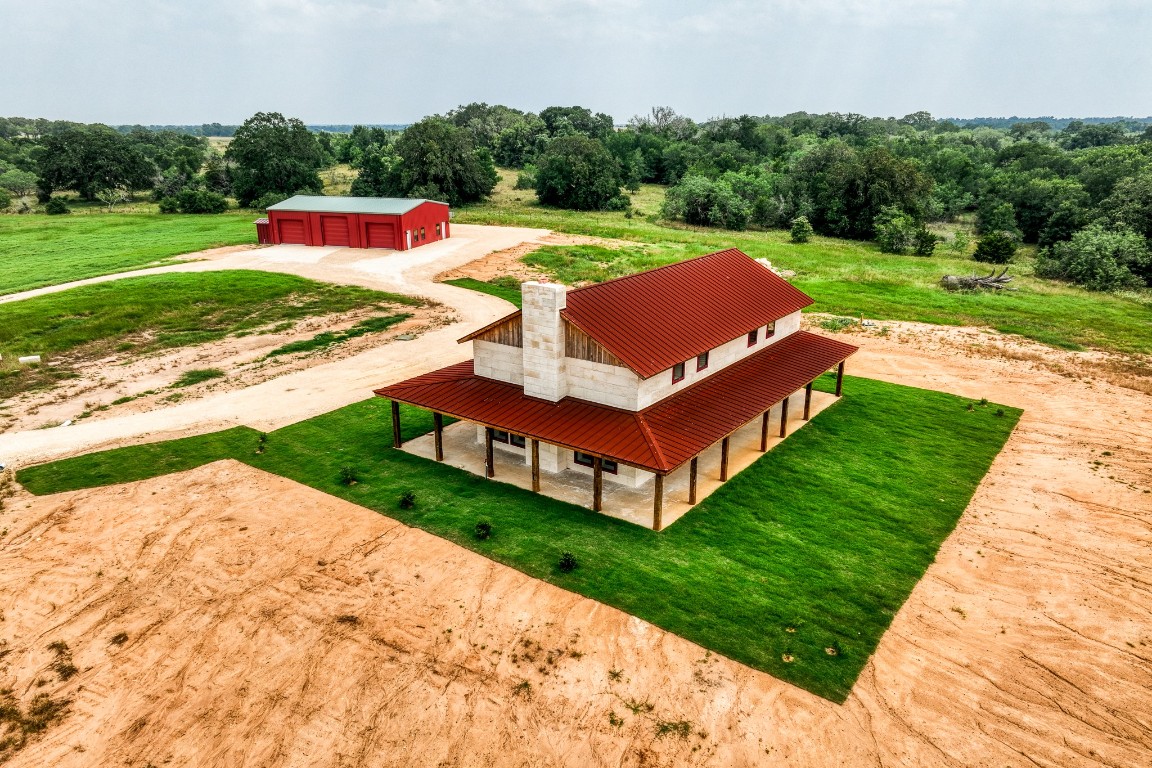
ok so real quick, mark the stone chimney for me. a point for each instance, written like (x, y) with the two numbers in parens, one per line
(544, 371)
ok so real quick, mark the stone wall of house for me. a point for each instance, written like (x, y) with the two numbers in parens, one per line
(498, 361)
(660, 386)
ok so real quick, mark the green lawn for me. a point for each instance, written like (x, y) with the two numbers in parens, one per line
(503, 291)
(140, 314)
(827, 534)
(844, 277)
(38, 250)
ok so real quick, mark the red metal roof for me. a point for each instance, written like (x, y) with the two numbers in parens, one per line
(655, 319)
(659, 438)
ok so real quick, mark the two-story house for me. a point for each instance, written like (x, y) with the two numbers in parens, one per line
(630, 379)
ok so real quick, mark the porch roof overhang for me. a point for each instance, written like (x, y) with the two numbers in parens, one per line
(659, 438)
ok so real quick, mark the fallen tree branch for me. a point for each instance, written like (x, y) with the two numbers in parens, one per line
(970, 283)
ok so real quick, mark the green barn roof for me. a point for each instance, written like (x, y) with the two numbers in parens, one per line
(333, 204)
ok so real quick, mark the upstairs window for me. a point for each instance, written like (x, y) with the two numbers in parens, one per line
(770, 331)
(677, 372)
(701, 361)
(753, 337)
(588, 460)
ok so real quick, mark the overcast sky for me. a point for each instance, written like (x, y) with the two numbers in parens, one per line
(394, 61)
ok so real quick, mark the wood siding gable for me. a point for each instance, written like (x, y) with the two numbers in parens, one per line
(581, 346)
(510, 333)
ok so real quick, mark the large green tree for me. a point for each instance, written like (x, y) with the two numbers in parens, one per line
(90, 159)
(273, 153)
(438, 161)
(577, 172)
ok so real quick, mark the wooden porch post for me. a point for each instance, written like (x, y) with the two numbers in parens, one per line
(438, 422)
(807, 400)
(724, 459)
(784, 417)
(658, 503)
(397, 441)
(489, 459)
(597, 484)
(839, 378)
(692, 480)
(536, 466)
(764, 431)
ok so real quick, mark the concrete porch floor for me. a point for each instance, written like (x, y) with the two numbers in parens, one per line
(462, 450)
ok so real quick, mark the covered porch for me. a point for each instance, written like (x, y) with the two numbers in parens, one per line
(660, 500)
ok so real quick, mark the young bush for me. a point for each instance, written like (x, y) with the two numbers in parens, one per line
(526, 179)
(483, 530)
(201, 201)
(169, 205)
(1099, 258)
(924, 242)
(567, 563)
(407, 500)
(5, 199)
(801, 230)
(347, 476)
(57, 207)
(996, 248)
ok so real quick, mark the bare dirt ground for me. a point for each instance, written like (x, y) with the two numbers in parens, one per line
(1028, 642)
(322, 385)
(146, 381)
(506, 263)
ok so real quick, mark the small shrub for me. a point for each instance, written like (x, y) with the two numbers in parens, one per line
(614, 719)
(119, 638)
(801, 230)
(996, 248)
(679, 728)
(348, 476)
(5, 199)
(567, 563)
(197, 376)
(262, 442)
(169, 205)
(615, 675)
(836, 324)
(526, 179)
(999, 411)
(57, 207)
(483, 530)
(924, 242)
(407, 500)
(201, 201)
(984, 401)
(959, 242)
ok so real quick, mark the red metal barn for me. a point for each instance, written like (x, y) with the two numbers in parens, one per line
(357, 222)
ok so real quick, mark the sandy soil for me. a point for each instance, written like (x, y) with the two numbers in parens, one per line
(506, 263)
(100, 385)
(324, 385)
(1028, 642)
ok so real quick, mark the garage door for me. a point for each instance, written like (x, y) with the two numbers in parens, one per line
(291, 231)
(334, 230)
(381, 235)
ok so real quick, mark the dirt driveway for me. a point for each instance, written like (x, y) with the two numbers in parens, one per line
(318, 389)
(1028, 642)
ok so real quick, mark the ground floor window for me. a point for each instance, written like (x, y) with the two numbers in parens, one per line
(588, 460)
(500, 436)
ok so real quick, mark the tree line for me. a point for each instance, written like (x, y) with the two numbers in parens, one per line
(1082, 193)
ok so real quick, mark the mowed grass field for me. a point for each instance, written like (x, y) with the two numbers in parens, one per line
(795, 567)
(844, 277)
(38, 250)
(141, 314)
